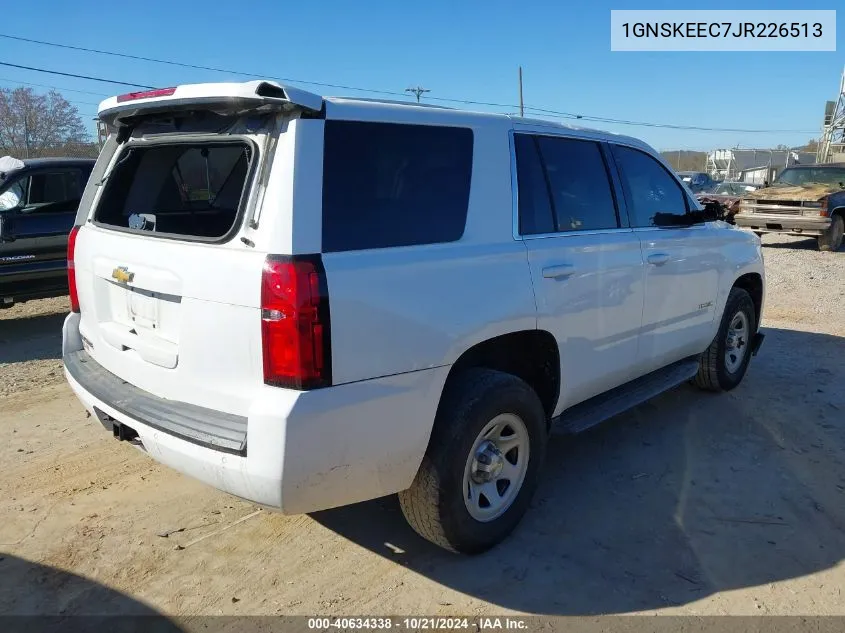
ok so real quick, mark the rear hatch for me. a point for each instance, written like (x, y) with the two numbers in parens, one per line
(168, 264)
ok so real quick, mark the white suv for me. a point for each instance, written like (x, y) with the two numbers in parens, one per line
(311, 302)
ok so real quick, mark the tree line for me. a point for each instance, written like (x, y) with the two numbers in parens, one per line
(36, 125)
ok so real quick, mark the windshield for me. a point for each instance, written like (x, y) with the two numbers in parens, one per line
(733, 188)
(833, 176)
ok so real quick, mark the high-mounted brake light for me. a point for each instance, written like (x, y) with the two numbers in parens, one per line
(295, 333)
(147, 94)
(71, 270)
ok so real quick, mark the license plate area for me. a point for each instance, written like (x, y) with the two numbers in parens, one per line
(142, 307)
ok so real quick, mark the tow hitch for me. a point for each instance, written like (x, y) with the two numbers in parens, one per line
(119, 429)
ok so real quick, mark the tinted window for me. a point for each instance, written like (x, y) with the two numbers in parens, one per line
(651, 189)
(181, 189)
(535, 211)
(394, 185)
(582, 199)
(56, 191)
(45, 192)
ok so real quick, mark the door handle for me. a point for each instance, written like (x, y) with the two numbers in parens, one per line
(561, 271)
(658, 259)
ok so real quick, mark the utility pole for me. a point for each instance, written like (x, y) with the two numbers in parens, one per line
(418, 91)
(26, 133)
(521, 105)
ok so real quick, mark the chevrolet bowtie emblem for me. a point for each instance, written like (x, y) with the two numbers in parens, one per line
(122, 274)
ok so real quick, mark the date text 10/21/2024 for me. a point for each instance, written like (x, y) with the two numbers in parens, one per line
(419, 623)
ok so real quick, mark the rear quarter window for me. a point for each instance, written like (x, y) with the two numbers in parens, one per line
(387, 184)
(189, 190)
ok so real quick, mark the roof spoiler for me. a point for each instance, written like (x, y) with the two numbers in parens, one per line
(228, 98)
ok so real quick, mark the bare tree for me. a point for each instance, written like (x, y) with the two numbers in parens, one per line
(811, 146)
(33, 125)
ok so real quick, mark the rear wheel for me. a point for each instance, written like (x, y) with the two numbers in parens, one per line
(482, 464)
(723, 365)
(831, 239)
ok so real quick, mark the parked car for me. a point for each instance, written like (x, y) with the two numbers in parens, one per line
(38, 203)
(803, 200)
(697, 181)
(309, 302)
(727, 194)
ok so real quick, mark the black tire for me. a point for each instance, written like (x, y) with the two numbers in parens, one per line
(434, 505)
(713, 373)
(831, 240)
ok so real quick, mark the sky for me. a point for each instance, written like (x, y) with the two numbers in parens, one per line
(463, 50)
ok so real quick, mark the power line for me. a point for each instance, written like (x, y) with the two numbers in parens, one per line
(52, 87)
(672, 126)
(56, 72)
(195, 66)
(62, 89)
(535, 110)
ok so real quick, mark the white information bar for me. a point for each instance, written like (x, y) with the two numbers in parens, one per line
(706, 30)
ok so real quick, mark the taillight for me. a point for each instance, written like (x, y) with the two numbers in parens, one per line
(295, 333)
(147, 94)
(71, 269)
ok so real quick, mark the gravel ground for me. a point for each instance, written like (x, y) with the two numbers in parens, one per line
(31, 345)
(692, 503)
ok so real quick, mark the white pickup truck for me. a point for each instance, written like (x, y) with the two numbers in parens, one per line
(309, 302)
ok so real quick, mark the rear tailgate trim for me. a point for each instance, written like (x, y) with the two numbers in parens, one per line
(220, 431)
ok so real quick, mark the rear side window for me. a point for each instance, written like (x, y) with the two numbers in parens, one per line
(582, 199)
(535, 209)
(387, 184)
(654, 195)
(563, 186)
(191, 190)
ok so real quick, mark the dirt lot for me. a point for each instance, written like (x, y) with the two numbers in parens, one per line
(691, 504)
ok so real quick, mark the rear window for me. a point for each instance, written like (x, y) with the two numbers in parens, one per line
(189, 190)
(388, 184)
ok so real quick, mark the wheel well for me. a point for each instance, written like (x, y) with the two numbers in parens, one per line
(532, 355)
(752, 283)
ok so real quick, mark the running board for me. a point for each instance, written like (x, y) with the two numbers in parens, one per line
(611, 403)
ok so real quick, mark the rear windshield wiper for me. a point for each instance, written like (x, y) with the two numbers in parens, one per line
(114, 167)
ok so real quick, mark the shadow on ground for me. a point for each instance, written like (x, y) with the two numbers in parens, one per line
(31, 338)
(36, 597)
(796, 244)
(687, 495)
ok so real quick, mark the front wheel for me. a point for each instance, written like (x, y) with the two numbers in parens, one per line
(482, 464)
(722, 366)
(831, 239)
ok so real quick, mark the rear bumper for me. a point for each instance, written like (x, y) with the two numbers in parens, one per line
(304, 451)
(770, 223)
